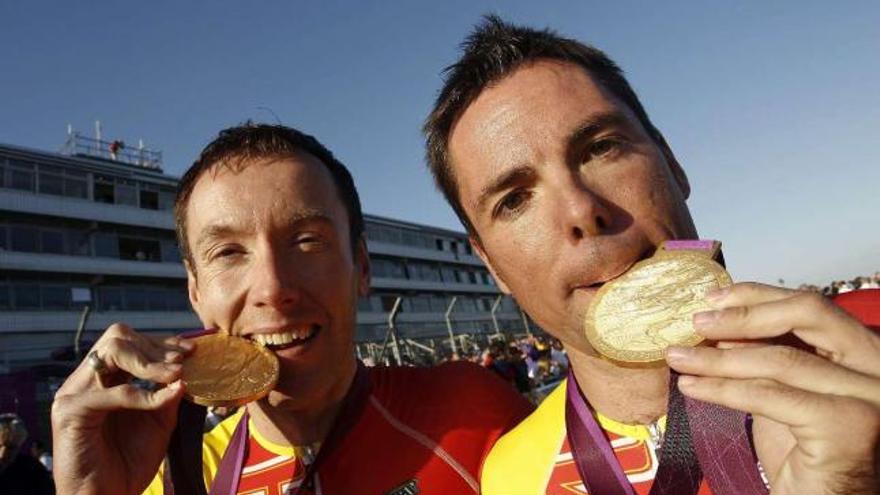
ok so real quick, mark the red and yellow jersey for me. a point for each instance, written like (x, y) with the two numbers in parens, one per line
(424, 429)
(535, 457)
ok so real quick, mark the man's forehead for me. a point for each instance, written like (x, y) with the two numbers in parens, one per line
(273, 190)
(530, 111)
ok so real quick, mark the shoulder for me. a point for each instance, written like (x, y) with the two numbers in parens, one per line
(522, 456)
(457, 384)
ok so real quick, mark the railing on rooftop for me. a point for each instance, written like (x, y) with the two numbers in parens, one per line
(117, 151)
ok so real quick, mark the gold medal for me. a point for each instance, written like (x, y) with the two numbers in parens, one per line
(228, 371)
(635, 317)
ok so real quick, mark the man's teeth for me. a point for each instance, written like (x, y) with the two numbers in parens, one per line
(284, 337)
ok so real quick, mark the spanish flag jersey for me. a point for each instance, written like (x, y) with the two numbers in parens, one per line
(535, 458)
(422, 430)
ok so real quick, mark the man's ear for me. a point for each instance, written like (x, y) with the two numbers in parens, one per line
(362, 265)
(478, 248)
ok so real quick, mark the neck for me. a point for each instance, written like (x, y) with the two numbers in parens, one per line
(627, 395)
(300, 426)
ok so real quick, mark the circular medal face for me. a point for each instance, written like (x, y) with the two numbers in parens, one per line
(635, 317)
(228, 371)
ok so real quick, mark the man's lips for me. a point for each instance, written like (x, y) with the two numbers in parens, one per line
(613, 274)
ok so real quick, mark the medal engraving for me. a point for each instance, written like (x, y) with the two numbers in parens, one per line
(228, 371)
(637, 316)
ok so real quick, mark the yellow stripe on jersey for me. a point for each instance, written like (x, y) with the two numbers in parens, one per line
(215, 442)
(523, 460)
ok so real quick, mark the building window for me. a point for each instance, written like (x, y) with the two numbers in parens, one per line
(149, 200)
(126, 193)
(78, 243)
(110, 298)
(170, 252)
(156, 300)
(106, 245)
(5, 298)
(24, 239)
(51, 183)
(139, 249)
(104, 190)
(166, 199)
(177, 300)
(364, 304)
(420, 304)
(76, 187)
(21, 179)
(384, 268)
(27, 296)
(4, 245)
(135, 299)
(52, 241)
(55, 297)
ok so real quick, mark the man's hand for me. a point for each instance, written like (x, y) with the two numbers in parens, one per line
(110, 436)
(817, 415)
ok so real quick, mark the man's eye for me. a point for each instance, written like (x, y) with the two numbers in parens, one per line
(226, 253)
(309, 242)
(512, 202)
(602, 148)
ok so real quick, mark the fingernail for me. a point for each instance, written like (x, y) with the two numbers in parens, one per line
(678, 354)
(705, 319)
(686, 381)
(186, 344)
(174, 367)
(175, 385)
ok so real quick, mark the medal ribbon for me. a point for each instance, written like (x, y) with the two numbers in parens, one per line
(232, 464)
(701, 438)
(184, 473)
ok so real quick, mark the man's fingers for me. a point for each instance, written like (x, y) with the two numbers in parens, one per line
(137, 359)
(785, 365)
(128, 396)
(747, 294)
(810, 317)
(820, 422)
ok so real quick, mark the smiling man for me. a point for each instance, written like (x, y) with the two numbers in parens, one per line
(563, 183)
(271, 230)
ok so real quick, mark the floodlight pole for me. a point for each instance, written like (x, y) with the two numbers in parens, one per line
(392, 328)
(495, 306)
(449, 324)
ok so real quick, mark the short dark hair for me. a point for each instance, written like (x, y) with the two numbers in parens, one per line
(494, 50)
(235, 146)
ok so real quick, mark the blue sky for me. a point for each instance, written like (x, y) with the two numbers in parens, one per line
(773, 108)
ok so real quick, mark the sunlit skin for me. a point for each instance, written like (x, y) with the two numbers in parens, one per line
(271, 252)
(567, 190)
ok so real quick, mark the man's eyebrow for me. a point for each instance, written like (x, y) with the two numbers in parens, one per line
(596, 124)
(504, 181)
(220, 230)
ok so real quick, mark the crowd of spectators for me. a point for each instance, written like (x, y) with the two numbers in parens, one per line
(843, 286)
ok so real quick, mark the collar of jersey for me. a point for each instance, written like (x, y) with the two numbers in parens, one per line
(639, 432)
(275, 448)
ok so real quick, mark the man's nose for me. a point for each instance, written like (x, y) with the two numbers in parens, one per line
(274, 281)
(583, 212)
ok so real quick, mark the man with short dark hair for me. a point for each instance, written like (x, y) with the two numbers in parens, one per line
(563, 183)
(271, 230)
